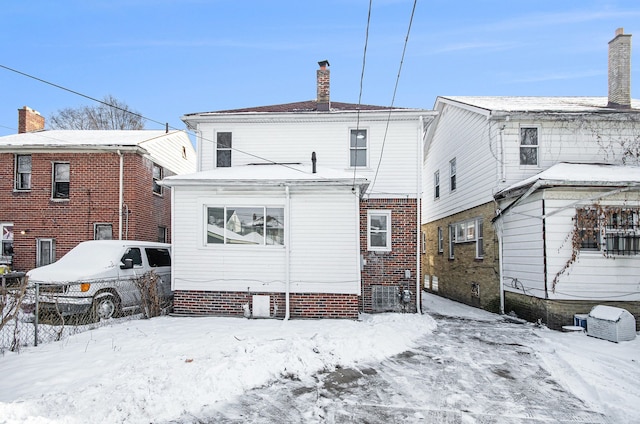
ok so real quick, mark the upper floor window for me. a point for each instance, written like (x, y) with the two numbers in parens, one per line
(528, 146)
(452, 174)
(379, 230)
(256, 225)
(23, 172)
(157, 176)
(60, 186)
(223, 149)
(436, 185)
(358, 148)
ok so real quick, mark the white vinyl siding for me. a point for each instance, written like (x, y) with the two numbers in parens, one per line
(321, 261)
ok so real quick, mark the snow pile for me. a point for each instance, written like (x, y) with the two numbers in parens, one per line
(155, 370)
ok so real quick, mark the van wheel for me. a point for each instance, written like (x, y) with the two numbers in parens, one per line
(105, 306)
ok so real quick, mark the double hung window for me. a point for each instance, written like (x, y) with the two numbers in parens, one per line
(452, 174)
(223, 149)
(436, 185)
(528, 146)
(60, 186)
(157, 176)
(45, 251)
(23, 172)
(468, 231)
(379, 230)
(358, 148)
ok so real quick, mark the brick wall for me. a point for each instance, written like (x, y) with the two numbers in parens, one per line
(388, 268)
(459, 276)
(302, 305)
(93, 198)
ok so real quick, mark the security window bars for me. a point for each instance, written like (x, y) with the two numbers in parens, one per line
(613, 230)
(223, 149)
(257, 225)
(23, 172)
(157, 176)
(60, 189)
(528, 146)
(379, 230)
(358, 148)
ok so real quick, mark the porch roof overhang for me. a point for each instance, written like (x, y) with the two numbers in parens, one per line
(572, 175)
(268, 175)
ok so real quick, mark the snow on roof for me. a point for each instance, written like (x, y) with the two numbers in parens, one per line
(163, 148)
(581, 174)
(266, 174)
(539, 104)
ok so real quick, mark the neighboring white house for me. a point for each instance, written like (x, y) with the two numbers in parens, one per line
(499, 220)
(265, 230)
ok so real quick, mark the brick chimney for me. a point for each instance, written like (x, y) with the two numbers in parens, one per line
(323, 74)
(620, 70)
(29, 120)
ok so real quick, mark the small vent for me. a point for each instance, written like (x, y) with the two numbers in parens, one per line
(384, 298)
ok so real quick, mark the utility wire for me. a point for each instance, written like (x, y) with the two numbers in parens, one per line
(393, 98)
(364, 61)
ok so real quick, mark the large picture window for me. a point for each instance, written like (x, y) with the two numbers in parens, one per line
(257, 225)
(379, 230)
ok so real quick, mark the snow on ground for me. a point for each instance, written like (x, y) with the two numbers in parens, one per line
(160, 369)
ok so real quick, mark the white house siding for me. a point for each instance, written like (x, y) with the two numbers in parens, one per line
(593, 276)
(323, 243)
(292, 139)
(522, 248)
(465, 135)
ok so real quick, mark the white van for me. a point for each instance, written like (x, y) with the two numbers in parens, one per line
(98, 276)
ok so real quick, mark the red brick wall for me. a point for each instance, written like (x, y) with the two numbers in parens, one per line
(93, 198)
(302, 305)
(388, 268)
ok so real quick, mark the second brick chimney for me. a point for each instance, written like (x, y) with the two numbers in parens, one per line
(323, 74)
(29, 120)
(620, 70)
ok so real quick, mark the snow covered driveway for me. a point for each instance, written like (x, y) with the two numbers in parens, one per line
(467, 371)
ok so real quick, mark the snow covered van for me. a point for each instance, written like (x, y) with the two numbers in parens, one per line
(99, 276)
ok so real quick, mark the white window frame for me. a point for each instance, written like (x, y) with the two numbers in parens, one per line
(40, 261)
(436, 184)
(468, 231)
(157, 174)
(6, 243)
(379, 213)
(226, 231)
(533, 147)
(18, 186)
(54, 181)
(162, 234)
(357, 149)
(221, 147)
(453, 172)
(440, 240)
(423, 240)
(619, 238)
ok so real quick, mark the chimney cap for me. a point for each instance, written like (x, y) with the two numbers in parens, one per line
(620, 31)
(324, 63)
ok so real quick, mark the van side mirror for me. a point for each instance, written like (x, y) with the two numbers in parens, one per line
(128, 264)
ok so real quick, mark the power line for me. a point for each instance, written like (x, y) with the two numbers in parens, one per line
(395, 90)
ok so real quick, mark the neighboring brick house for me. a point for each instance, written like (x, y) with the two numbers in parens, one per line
(61, 187)
(499, 221)
(307, 209)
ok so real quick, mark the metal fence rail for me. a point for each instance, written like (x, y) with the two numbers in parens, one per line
(36, 313)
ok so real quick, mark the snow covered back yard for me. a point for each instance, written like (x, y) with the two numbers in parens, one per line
(176, 369)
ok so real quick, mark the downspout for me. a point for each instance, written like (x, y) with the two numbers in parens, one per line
(499, 226)
(287, 250)
(120, 194)
(419, 165)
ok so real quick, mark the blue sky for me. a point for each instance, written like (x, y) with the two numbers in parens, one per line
(165, 58)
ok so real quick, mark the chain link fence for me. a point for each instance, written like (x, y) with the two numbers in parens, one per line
(33, 313)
